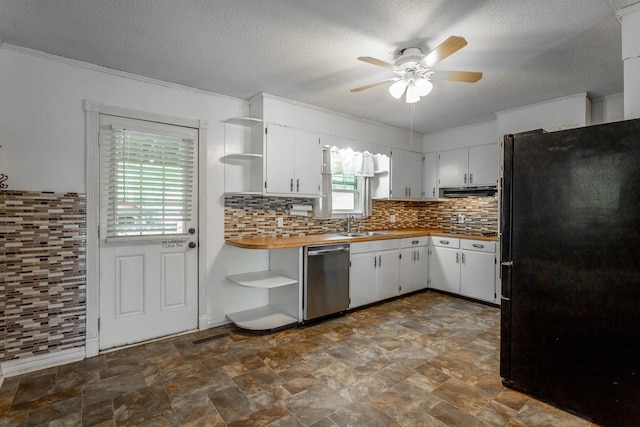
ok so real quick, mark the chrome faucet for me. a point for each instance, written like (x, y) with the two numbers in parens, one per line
(350, 217)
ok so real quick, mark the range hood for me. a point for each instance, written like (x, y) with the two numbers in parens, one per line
(457, 192)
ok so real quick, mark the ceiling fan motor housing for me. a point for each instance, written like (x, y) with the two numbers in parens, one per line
(409, 61)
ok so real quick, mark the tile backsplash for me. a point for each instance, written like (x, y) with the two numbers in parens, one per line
(255, 216)
(43, 273)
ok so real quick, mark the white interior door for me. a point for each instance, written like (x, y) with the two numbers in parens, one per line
(148, 230)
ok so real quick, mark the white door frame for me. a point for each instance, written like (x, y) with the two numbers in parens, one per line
(93, 109)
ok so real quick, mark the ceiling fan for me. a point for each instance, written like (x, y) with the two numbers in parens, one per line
(414, 70)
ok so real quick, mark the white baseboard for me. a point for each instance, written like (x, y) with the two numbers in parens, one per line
(217, 321)
(15, 367)
(92, 347)
(203, 322)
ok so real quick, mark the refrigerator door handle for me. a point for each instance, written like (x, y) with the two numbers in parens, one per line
(507, 263)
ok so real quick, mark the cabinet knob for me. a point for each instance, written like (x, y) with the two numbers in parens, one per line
(192, 245)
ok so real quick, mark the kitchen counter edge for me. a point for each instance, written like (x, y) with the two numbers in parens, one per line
(283, 242)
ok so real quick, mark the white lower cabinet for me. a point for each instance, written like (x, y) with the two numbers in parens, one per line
(464, 267)
(444, 264)
(414, 264)
(477, 269)
(374, 274)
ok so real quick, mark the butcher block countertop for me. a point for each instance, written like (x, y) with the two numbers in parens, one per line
(327, 238)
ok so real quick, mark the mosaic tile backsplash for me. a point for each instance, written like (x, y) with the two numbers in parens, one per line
(42, 273)
(254, 216)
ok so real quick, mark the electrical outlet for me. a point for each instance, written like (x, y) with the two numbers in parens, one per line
(280, 222)
(461, 218)
(392, 218)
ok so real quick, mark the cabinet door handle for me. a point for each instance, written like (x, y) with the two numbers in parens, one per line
(470, 178)
(465, 178)
(375, 262)
(413, 255)
(478, 245)
(292, 185)
(379, 260)
(297, 185)
(418, 254)
(463, 257)
(457, 257)
(434, 191)
(444, 242)
(409, 191)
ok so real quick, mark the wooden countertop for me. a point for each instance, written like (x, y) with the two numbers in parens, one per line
(326, 238)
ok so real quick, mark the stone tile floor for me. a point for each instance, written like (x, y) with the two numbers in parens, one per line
(423, 360)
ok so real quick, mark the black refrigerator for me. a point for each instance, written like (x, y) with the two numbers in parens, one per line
(570, 235)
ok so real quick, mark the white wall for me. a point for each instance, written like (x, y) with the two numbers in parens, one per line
(607, 109)
(562, 113)
(364, 134)
(42, 134)
(630, 19)
(465, 136)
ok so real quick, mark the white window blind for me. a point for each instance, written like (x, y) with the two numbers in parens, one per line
(149, 182)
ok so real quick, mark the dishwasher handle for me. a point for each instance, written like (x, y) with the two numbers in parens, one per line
(327, 251)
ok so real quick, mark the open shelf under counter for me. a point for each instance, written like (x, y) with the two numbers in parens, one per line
(261, 318)
(262, 279)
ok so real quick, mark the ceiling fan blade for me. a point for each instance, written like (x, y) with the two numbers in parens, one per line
(375, 61)
(456, 76)
(444, 50)
(358, 89)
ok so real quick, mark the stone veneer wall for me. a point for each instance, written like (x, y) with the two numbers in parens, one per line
(42, 273)
(254, 216)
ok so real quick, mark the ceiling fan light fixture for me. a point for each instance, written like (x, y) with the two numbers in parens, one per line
(413, 94)
(397, 89)
(423, 86)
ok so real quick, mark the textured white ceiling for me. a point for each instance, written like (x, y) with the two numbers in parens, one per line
(306, 50)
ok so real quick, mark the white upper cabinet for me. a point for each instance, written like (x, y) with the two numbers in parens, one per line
(292, 162)
(452, 167)
(406, 175)
(484, 164)
(430, 177)
(308, 163)
(468, 166)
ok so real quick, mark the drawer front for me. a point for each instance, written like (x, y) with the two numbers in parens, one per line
(445, 242)
(478, 245)
(411, 242)
(374, 245)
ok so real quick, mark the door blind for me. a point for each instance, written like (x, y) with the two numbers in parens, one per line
(149, 182)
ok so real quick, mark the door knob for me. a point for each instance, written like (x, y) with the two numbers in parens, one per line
(192, 231)
(192, 245)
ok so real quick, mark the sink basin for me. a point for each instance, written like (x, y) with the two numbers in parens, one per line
(362, 234)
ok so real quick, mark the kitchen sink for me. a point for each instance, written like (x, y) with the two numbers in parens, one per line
(362, 234)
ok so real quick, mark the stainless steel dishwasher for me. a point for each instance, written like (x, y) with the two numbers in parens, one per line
(326, 280)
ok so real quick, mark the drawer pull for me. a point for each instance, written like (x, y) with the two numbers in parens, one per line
(444, 242)
(415, 242)
(478, 245)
